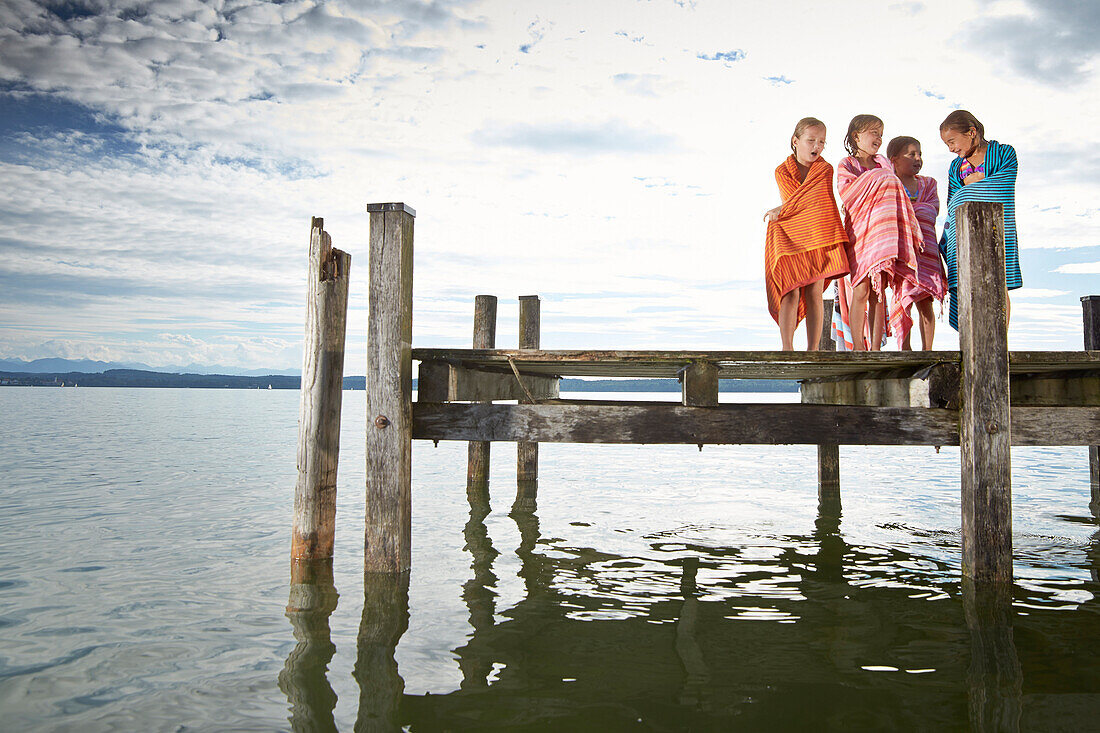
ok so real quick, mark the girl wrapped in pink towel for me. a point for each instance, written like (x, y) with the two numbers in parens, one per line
(884, 238)
(904, 154)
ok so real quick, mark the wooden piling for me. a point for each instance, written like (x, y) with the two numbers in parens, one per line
(827, 342)
(1090, 313)
(314, 523)
(699, 384)
(984, 419)
(387, 541)
(828, 455)
(485, 337)
(527, 453)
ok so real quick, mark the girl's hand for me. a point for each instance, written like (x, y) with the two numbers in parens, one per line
(973, 178)
(773, 214)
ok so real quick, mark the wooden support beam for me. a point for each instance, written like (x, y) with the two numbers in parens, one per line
(699, 382)
(984, 418)
(828, 343)
(388, 536)
(747, 424)
(828, 478)
(934, 386)
(527, 452)
(485, 337)
(442, 382)
(314, 524)
(766, 424)
(1090, 315)
(828, 454)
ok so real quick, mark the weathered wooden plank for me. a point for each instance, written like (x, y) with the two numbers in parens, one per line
(442, 382)
(314, 524)
(485, 337)
(741, 364)
(984, 416)
(1090, 319)
(582, 421)
(1055, 389)
(671, 423)
(527, 452)
(699, 384)
(939, 387)
(388, 535)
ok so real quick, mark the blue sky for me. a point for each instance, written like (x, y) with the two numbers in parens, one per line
(159, 161)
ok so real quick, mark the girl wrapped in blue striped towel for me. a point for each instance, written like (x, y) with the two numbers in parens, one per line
(985, 170)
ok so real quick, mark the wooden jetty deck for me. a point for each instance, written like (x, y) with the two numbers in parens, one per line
(981, 397)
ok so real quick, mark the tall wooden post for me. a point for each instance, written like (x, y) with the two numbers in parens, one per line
(828, 456)
(387, 546)
(984, 425)
(485, 337)
(527, 454)
(1090, 312)
(314, 524)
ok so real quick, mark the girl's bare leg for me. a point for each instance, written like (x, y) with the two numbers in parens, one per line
(927, 323)
(876, 312)
(788, 317)
(815, 314)
(857, 313)
(1008, 315)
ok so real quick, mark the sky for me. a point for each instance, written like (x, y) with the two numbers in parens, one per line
(160, 161)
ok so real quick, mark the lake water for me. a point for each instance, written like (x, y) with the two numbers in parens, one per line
(145, 584)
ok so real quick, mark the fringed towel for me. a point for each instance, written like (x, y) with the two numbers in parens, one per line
(884, 235)
(806, 242)
(931, 278)
(998, 186)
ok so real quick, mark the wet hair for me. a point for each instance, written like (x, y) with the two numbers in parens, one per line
(859, 123)
(899, 144)
(961, 121)
(804, 124)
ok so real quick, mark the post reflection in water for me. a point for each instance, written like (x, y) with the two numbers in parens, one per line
(784, 632)
(994, 679)
(385, 619)
(304, 679)
(479, 591)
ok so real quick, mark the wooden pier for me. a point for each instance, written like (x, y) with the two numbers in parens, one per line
(983, 397)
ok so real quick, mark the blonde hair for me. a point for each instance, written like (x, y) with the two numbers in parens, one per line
(804, 124)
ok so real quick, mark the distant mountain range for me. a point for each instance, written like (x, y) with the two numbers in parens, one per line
(87, 366)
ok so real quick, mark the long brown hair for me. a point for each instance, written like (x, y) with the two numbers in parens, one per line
(858, 124)
(804, 124)
(961, 121)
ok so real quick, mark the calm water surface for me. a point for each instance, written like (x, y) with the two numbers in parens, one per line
(145, 585)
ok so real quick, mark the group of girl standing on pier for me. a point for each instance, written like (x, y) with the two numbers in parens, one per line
(887, 239)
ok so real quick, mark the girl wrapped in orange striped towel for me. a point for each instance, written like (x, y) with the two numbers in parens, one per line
(804, 248)
(884, 237)
(905, 155)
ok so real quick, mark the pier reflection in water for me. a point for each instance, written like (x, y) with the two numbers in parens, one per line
(798, 633)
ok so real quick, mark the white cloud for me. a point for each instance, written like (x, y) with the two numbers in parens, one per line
(623, 178)
(1080, 268)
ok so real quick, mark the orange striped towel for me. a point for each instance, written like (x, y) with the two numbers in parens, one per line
(806, 242)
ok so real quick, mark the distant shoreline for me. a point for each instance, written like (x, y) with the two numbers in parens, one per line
(145, 379)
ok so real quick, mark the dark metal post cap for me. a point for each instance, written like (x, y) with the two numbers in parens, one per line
(398, 206)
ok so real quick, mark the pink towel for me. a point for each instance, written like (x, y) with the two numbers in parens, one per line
(884, 234)
(931, 278)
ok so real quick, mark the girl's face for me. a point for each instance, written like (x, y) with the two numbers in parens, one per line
(962, 144)
(870, 140)
(808, 147)
(908, 162)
